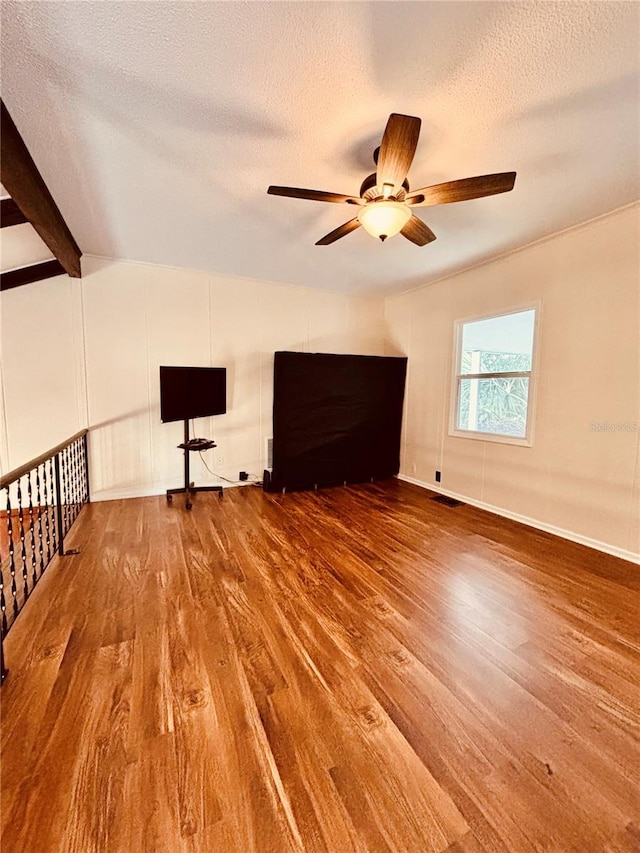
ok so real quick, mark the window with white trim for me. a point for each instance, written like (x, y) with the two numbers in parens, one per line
(494, 377)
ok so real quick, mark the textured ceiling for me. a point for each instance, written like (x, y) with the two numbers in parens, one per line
(159, 125)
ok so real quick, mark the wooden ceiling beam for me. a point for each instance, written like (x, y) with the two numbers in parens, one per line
(34, 272)
(20, 177)
(10, 213)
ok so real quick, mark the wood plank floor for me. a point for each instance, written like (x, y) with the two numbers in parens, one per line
(358, 669)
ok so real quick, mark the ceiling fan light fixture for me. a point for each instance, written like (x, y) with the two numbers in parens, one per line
(385, 203)
(384, 219)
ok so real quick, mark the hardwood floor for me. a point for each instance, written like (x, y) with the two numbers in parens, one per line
(358, 669)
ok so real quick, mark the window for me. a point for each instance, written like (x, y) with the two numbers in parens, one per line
(494, 377)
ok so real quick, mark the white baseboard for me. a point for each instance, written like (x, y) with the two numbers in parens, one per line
(152, 491)
(613, 550)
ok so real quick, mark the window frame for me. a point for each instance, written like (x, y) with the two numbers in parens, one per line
(477, 435)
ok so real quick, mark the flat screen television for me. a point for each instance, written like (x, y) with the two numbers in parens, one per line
(192, 392)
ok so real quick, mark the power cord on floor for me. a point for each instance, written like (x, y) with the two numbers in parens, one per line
(255, 481)
(249, 482)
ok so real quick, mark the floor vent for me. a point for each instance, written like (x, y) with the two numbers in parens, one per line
(446, 500)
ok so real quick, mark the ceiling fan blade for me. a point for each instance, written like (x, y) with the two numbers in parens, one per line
(463, 190)
(337, 233)
(397, 148)
(314, 195)
(419, 233)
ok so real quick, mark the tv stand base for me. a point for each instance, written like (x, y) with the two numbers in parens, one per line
(191, 490)
(187, 446)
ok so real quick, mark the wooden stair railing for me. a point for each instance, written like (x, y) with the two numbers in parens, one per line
(41, 500)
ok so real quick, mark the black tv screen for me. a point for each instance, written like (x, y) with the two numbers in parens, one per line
(336, 418)
(192, 392)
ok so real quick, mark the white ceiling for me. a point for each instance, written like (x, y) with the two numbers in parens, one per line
(159, 125)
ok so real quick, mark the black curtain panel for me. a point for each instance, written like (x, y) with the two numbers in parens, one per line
(336, 418)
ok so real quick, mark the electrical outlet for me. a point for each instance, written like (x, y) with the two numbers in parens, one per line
(219, 461)
(438, 476)
(414, 468)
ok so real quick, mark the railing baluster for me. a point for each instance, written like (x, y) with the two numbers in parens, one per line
(72, 499)
(72, 485)
(85, 459)
(54, 527)
(32, 533)
(56, 465)
(12, 556)
(4, 627)
(40, 530)
(63, 489)
(72, 482)
(3, 604)
(23, 545)
(76, 478)
(69, 485)
(72, 509)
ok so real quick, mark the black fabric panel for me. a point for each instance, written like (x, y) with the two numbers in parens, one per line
(336, 418)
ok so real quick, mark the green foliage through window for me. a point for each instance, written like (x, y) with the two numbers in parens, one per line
(495, 362)
(491, 350)
(494, 405)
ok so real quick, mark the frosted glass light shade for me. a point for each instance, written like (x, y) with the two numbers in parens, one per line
(384, 218)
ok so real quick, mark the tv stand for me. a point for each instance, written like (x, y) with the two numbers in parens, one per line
(189, 446)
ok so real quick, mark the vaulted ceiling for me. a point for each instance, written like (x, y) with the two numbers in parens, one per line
(159, 125)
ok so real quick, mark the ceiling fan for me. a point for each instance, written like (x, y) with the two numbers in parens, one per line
(385, 199)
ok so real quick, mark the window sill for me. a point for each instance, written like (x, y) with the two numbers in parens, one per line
(491, 436)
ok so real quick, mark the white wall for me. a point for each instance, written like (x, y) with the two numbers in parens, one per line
(137, 317)
(42, 368)
(41, 355)
(122, 320)
(575, 480)
(21, 246)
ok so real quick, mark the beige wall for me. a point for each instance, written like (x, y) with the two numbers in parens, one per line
(86, 352)
(41, 355)
(138, 316)
(42, 371)
(20, 246)
(122, 320)
(573, 479)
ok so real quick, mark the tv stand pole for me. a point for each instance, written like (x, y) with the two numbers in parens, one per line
(189, 446)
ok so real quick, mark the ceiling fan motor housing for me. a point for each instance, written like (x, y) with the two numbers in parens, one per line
(370, 182)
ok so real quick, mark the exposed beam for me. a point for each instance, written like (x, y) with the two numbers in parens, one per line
(35, 272)
(10, 213)
(20, 177)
